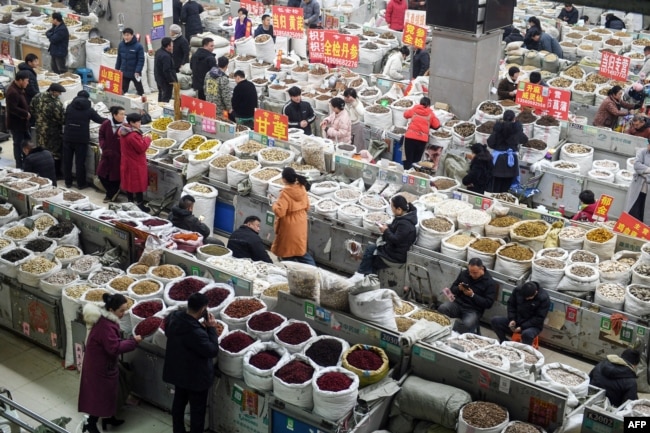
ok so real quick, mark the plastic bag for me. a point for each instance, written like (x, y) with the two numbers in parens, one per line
(314, 154)
(153, 251)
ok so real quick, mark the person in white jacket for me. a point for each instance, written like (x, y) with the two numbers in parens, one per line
(393, 67)
(356, 111)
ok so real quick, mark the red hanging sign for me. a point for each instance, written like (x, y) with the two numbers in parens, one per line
(248, 28)
(341, 50)
(254, 8)
(628, 225)
(546, 100)
(110, 79)
(278, 60)
(288, 22)
(614, 66)
(316, 44)
(199, 107)
(271, 124)
(603, 206)
(414, 35)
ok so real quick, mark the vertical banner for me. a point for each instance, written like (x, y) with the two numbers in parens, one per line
(254, 8)
(288, 22)
(548, 100)
(271, 124)
(614, 66)
(110, 79)
(414, 35)
(341, 50)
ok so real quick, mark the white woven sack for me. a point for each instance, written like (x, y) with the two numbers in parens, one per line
(205, 202)
(246, 46)
(55, 289)
(460, 141)
(512, 267)
(378, 120)
(573, 258)
(159, 338)
(173, 302)
(601, 174)
(163, 280)
(239, 323)
(234, 176)
(640, 274)
(10, 246)
(547, 278)
(325, 189)
(196, 167)
(530, 350)
(454, 251)
(376, 306)
(604, 250)
(530, 155)
(645, 253)
(488, 259)
(84, 272)
(623, 177)
(451, 208)
(474, 220)
(335, 405)
(11, 216)
(610, 295)
(629, 257)
(137, 319)
(344, 347)
(262, 157)
(71, 238)
(584, 160)
(293, 348)
(464, 427)
(553, 253)
(571, 243)
(327, 207)
(216, 310)
(48, 250)
(3, 232)
(298, 394)
(634, 305)
(579, 390)
(256, 378)
(265, 51)
(33, 280)
(431, 239)
(70, 307)
(231, 363)
(217, 173)
(536, 243)
(351, 214)
(574, 283)
(515, 357)
(260, 186)
(614, 272)
(135, 276)
(606, 164)
(263, 335)
(548, 134)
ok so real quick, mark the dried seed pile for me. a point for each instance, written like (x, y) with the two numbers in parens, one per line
(531, 229)
(554, 253)
(548, 121)
(504, 221)
(18, 232)
(572, 233)
(486, 127)
(482, 414)
(443, 183)
(62, 278)
(104, 276)
(465, 129)
(273, 290)
(549, 263)
(615, 292)
(599, 235)
(406, 308)
(84, 264)
(564, 377)
(583, 257)
(459, 240)
(245, 165)
(521, 427)
(486, 245)
(535, 144)
(437, 224)
(582, 271)
(576, 148)
(240, 308)
(488, 358)
(139, 269)
(64, 252)
(431, 316)
(266, 174)
(609, 266)
(491, 108)
(222, 161)
(168, 271)
(95, 295)
(121, 283)
(640, 292)
(73, 196)
(517, 252)
(404, 323)
(61, 229)
(146, 287)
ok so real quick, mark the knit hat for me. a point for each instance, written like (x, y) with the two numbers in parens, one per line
(83, 94)
(631, 356)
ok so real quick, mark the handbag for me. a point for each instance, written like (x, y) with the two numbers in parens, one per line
(146, 117)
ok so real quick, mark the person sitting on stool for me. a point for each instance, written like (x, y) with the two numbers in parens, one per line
(39, 160)
(245, 242)
(617, 376)
(473, 292)
(181, 216)
(527, 309)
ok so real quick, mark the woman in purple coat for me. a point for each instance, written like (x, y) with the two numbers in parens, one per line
(100, 375)
(108, 169)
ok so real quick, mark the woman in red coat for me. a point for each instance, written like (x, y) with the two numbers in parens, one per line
(108, 169)
(100, 376)
(133, 165)
(395, 11)
(417, 132)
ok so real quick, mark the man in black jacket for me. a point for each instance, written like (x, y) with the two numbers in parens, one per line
(245, 242)
(181, 216)
(190, 16)
(191, 348)
(76, 135)
(568, 14)
(300, 113)
(617, 376)
(31, 62)
(527, 309)
(473, 292)
(421, 61)
(202, 61)
(38, 160)
(181, 50)
(244, 100)
(163, 70)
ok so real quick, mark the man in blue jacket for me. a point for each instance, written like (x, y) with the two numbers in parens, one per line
(130, 60)
(58, 36)
(527, 309)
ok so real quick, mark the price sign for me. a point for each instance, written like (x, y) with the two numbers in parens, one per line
(199, 107)
(271, 124)
(614, 66)
(628, 225)
(547, 100)
(419, 18)
(414, 35)
(110, 79)
(254, 8)
(288, 22)
(341, 50)
(316, 43)
(249, 25)
(603, 206)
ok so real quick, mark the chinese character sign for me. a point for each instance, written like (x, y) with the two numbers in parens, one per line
(110, 79)
(288, 22)
(532, 95)
(271, 124)
(199, 107)
(614, 66)
(414, 35)
(603, 206)
(419, 18)
(254, 8)
(341, 50)
(316, 44)
(557, 104)
(628, 225)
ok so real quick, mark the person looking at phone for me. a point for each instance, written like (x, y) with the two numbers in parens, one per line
(473, 292)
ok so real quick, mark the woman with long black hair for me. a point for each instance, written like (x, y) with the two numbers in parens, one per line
(504, 141)
(479, 175)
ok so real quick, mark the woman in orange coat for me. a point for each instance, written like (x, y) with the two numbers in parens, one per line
(291, 219)
(133, 165)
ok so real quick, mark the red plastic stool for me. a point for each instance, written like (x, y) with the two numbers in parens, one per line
(516, 337)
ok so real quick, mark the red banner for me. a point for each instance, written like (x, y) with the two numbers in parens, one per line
(341, 50)
(316, 43)
(603, 206)
(628, 225)
(547, 100)
(254, 8)
(199, 107)
(414, 35)
(110, 79)
(271, 124)
(288, 22)
(614, 66)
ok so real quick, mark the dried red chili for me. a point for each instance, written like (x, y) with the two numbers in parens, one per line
(186, 287)
(325, 352)
(295, 333)
(266, 321)
(265, 360)
(236, 342)
(364, 359)
(334, 382)
(216, 296)
(147, 308)
(295, 372)
(154, 222)
(147, 326)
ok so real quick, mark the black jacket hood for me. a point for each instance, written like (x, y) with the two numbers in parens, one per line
(180, 323)
(180, 213)
(81, 103)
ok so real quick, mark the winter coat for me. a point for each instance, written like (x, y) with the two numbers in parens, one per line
(49, 119)
(77, 120)
(244, 99)
(617, 378)
(191, 349)
(528, 313)
(422, 119)
(17, 108)
(291, 222)
(245, 243)
(240, 28)
(293, 3)
(217, 90)
(130, 58)
(615, 24)
(260, 31)
(570, 17)
(59, 38)
(640, 180)
(41, 162)
(484, 288)
(421, 61)
(550, 44)
(299, 112)
(504, 88)
(32, 88)
(339, 127)
(356, 111)
(395, 11)
(184, 219)
(190, 17)
(399, 237)
(644, 131)
(109, 143)
(609, 112)
(528, 39)
(507, 135)
(646, 67)
(201, 63)
(177, 8)
(100, 376)
(163, 69)
(479, 174)
(311, 12)
(181, 52)
(586, 213)
(393, 67)
(514, 36)
(133, 162)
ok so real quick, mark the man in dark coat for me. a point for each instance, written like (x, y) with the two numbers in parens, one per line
(244, 100)
(266, 28)
(181, 216)
(59, 38)
(76, 135)
(181, 51)
(177, 7)
(473, 292)
(202, 61)
(300, 113)
(569, 14)
(17, 114)
(38, 160)
(617, 376)
(48, 113)
(527, 309)
(31, 62)
(130, 60)
(245, 242)
(421, 61)
(191, 348)
(190, 16)
(164, 71)
(514, 36)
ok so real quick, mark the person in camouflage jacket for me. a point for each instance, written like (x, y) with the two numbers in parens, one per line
(217, 87)
(47, 108)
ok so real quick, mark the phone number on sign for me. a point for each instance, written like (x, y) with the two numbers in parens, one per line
(340, 62)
